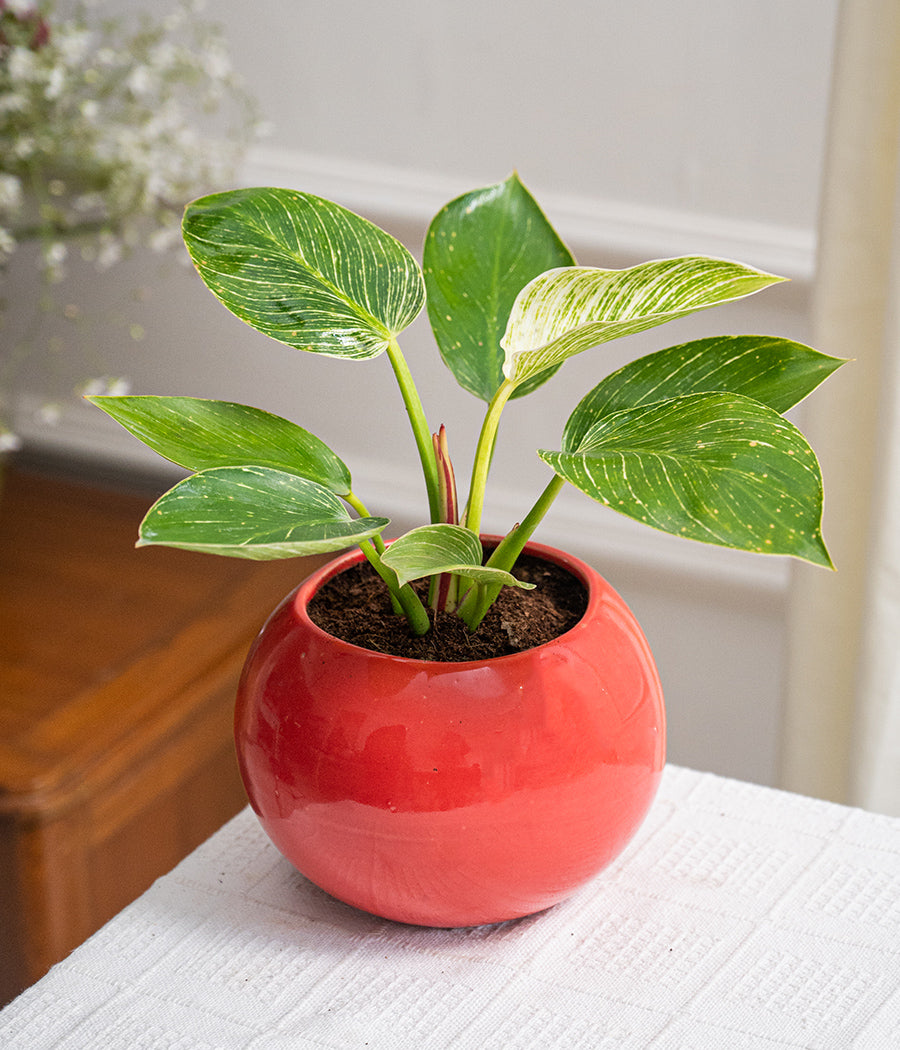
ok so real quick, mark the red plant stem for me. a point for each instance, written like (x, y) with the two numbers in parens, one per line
(446, 477)
(443, 588)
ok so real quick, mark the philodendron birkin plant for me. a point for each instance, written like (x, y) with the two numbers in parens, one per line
(691, 439)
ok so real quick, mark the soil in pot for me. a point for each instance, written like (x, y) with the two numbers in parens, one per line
(355, 606)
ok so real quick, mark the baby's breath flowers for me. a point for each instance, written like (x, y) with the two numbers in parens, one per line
(108, 125)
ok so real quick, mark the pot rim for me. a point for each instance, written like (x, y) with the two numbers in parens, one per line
(588, 576)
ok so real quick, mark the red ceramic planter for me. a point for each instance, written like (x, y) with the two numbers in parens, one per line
(451, 794)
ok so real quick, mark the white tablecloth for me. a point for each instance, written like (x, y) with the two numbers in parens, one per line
(740, 917)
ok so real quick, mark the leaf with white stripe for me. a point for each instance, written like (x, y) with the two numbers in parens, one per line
(434, 549)
(566, 311)
(719, 468)
(480, 251)
(777, 372)
(253, 512)
(200, 434)
(304, 270)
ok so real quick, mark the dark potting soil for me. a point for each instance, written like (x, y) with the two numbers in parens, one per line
(355, 606)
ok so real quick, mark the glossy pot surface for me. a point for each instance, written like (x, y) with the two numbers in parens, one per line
(451, 794)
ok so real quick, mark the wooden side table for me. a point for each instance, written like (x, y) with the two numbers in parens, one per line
(117, 676)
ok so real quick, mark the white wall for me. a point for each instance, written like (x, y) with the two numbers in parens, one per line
(645, 129)
(713, 106)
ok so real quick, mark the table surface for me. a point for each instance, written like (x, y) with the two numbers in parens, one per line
(79, 607)
(118, 669)
(739, 917)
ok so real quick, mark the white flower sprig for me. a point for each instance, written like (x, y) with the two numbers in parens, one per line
(105, 124)
(108, 125)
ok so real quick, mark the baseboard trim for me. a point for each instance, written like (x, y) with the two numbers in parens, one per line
(594, 533)
(603, 538)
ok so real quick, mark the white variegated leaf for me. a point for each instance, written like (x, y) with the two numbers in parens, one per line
(777, 372)
(253, 512)
(571, 309)
(480, 251)
(716, 467)
(304, 270)
(200, 434)
(434, 549)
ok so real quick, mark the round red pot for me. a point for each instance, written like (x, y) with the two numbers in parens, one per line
(451, 794)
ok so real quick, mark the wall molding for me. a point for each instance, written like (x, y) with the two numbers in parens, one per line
(574, 523)
(593, 226)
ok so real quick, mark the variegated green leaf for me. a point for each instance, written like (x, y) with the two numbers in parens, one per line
(253, 512)
(480, 251)
(719, 468)
(304, 270)
(200, 434)
(778, 372)
(566, 311)
(435, 549)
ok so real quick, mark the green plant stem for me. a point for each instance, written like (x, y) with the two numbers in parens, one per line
(421, 431)
(484, 452)
(357, 504)
(504, 556)
(510, 547)
(409, 601)
(363, 511)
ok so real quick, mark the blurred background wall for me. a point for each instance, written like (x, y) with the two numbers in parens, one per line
(645, 130)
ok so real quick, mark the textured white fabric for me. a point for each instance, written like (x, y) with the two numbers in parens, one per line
(740, 917)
